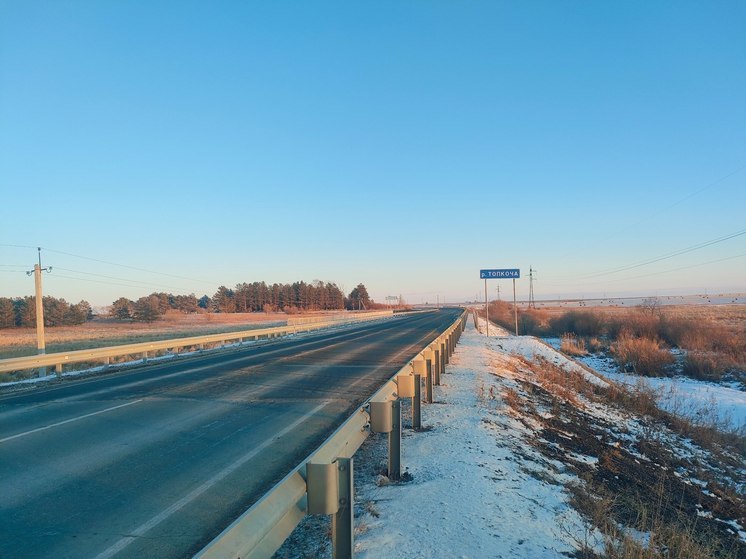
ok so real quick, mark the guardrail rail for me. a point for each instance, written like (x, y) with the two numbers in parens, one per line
(144, 349)
(323, 482)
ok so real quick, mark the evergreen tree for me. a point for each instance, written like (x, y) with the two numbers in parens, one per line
(223, 301)
(7, 313)
(122, 308)
(147, 309)
(55, 311)
(25, 310)
(78, 313)
(359, 298)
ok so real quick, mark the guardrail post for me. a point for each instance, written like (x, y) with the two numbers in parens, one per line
(429, 381)
(436, 363)
(343, 530)
(58, 370)
(420, 369)
(442, 356)
(416, 401)
(144, 356)
(395, 441)
(447, 344)
(107, 362)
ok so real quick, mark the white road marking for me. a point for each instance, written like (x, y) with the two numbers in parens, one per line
(151, 379)
(181, 503)
(19, 435)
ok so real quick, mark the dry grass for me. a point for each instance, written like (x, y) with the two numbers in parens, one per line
(713, 336)
(101, 332)
(680, 537)
(572, 345)
(566, 385)
(645, 356)
(512, 399)
(623, 497)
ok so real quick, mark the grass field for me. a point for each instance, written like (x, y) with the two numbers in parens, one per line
(104, 331)
(712, 336)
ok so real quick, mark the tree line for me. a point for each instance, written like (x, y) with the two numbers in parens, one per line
(21, 312)
(290, 298)
(244, 297)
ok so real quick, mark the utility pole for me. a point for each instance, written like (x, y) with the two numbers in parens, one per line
(40, 342)
(498, 291)
(531, 301)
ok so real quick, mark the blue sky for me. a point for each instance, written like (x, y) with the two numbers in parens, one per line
(405, 145)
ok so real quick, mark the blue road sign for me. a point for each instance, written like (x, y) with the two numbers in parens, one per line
(509, 273)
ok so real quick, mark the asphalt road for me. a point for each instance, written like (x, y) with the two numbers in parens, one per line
(157, 461)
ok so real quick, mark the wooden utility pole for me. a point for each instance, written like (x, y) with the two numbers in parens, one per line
(41, 347)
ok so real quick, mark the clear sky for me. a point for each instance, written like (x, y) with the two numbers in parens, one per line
(404, 145)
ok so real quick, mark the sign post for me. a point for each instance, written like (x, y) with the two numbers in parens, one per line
(486, 307)
(515, 309)
(505, 273)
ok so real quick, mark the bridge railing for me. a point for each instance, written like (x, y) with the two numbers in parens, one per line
(147, 349)
(323, 482)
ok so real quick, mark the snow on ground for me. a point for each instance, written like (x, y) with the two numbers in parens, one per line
(531, 348)
(477, 489)
(682, 395)
(491, 474)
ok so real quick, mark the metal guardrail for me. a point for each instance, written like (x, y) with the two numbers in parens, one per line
(58, 360)
(333, 317)
(323, 482)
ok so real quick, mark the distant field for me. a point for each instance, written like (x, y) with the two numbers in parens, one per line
(102, 332)
(732, 316)
(631, 302)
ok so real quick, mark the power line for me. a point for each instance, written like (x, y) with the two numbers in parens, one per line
(110, 263)
(688, 267)
(137, 283)
(685, 198)
(110, 283)
(674, 204)
(15, 246)
(671, 270)
(126, 266)
(667, 256)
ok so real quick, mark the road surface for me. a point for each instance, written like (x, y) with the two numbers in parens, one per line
(155, 462)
